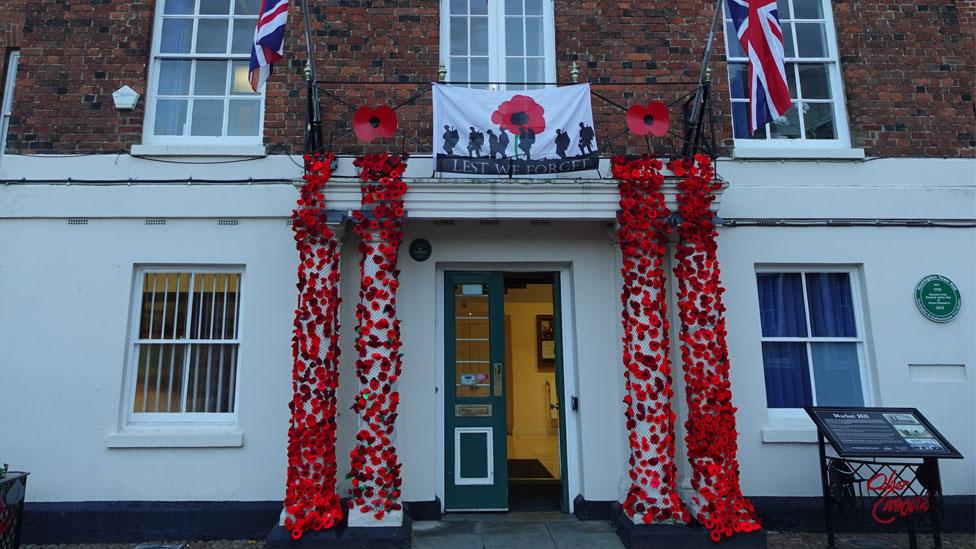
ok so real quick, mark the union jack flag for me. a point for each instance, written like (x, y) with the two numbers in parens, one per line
(269, 41)
(757, 26)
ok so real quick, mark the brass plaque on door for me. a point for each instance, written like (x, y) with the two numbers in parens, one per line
(472, 410)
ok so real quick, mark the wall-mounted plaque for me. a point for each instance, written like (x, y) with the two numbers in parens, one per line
(881, 432)
(937, 298)
(420, 249)
(472, 410)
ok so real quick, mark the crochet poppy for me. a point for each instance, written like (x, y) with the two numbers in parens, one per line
(521, 111)
(648, 119)
(370, 123)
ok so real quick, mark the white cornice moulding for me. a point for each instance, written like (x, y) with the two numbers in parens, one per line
(804, 153)
(155, 149)
(175, 438)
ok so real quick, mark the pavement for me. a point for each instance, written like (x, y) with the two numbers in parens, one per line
(546, 530)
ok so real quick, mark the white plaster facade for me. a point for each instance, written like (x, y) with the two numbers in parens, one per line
(66, 294)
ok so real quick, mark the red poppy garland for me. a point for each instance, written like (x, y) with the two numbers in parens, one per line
(311, 502)
(375, 471)
(710, 428)
(643, 230)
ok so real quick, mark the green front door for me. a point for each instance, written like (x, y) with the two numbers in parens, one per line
(475, 468)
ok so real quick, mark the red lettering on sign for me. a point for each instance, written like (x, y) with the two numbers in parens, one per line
(890, 505)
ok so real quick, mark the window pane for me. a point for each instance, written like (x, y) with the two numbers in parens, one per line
(479, 36)
(176, 36)
(479, 7)
(208, 118)
(513, 36)
(459, 69)
(211, 79)
(210, 379)
(739, 80)
(781, 304)
(534, 71)
(170, 117)
(479, 71)
(174, 77)
(533, 7)
(740, 120)
(787, 375)
(178, 7)
(818, 119)
(787, 127)
(240, 85)
(790, 51)
(811, 40)
(808, 9)
(837, 374)
(533, 36)
(734, 47)
(831, 305)
(246, 7)
(459, 7)
(791, 79)
(814, 81)
(513, 7)
(159, 378)
(243, 35)
(459, 36)
(214, 7)
(783, 9)
(212, 36)
(515, 71)
(243, 117)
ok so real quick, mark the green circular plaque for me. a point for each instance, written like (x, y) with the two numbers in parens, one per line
(937, 298)
(420, 249)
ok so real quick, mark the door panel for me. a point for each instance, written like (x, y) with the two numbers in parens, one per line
(476, 471)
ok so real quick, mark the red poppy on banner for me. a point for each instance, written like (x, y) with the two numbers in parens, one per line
(370, 123)
(518, 113)
(648, 119)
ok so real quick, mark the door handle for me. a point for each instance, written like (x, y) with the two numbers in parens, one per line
(554, 406)
(498, 379)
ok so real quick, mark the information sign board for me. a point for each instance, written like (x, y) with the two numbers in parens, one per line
(881, 432)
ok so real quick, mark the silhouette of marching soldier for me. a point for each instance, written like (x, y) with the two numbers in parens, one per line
(451, 139)
(526, 140)
(585, 139)
(562, 143)
(476, 140)
(492, 145)
(503, 142)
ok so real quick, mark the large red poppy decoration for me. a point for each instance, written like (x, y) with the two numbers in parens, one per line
(648, 119)
(370, 123)
(518, 113)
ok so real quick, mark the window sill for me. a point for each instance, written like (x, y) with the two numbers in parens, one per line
(789, 432)
(158, 438)
(810, 153)
(156, 149)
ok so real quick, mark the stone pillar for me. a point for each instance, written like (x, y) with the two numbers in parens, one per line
(311, 502)
(375, 470)
(643, 230)
(717, 502)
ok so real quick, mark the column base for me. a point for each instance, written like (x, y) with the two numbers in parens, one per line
(380, 535)
(668, 536)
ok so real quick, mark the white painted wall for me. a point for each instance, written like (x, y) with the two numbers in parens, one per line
(65, 297)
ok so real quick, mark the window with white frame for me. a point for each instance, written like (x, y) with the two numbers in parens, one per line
(7, 101)
(812, 340)
(498, 41)
(185, 343)
(198, 88)
(818, 116)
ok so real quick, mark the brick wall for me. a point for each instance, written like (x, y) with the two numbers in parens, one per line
(907, 66)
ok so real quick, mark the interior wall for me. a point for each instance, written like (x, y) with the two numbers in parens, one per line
(530, 405)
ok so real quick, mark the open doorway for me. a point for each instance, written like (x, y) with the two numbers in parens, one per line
(532, 407)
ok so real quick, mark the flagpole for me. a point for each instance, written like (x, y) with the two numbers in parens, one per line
(313, 128)
(693, 130)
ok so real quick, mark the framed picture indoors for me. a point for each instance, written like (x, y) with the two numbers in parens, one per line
(546, 342)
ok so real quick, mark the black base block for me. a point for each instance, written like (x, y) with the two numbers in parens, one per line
(380, 537)
(667, 536)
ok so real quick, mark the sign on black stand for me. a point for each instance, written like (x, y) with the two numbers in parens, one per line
(893, 489)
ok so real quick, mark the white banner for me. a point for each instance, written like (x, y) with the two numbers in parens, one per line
(514, 132)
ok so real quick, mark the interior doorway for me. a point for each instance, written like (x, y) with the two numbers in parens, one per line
(504, 432)
(532, 419)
